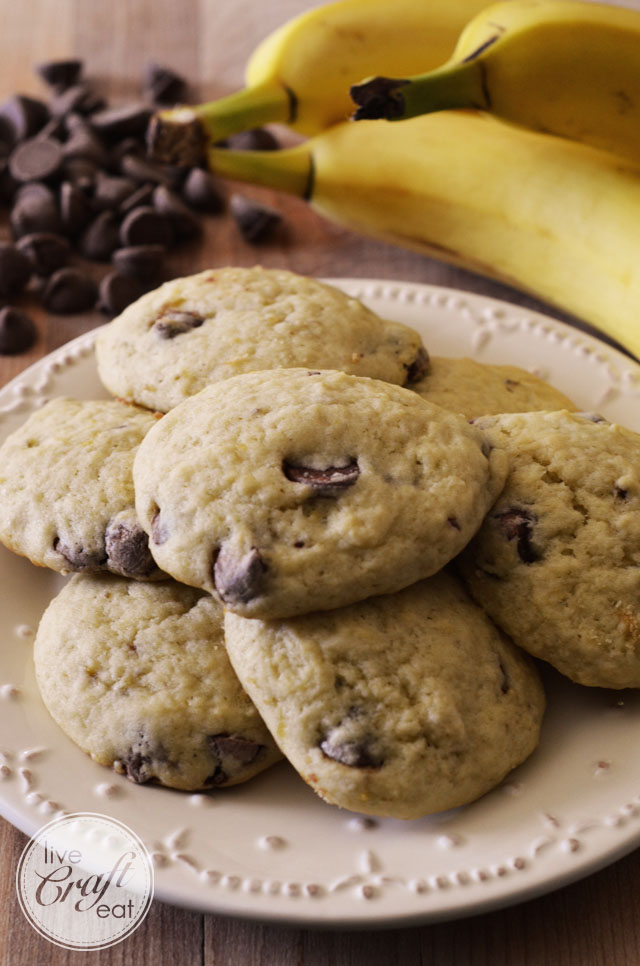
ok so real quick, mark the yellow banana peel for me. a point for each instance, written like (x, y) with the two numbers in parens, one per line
(553, 217)
(562, 67)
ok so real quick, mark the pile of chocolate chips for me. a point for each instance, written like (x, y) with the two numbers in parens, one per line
(75, 175)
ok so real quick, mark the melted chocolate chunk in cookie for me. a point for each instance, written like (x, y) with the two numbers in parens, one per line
(174, 323)
(231, 752)
(329, 481)
(355, 754)
(127, 547)
(80, 558)
(239, 580)
(517, 524)
(419, 367)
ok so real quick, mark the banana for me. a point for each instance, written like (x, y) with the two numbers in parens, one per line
(567, 68)
(556, 218)
(300, 75)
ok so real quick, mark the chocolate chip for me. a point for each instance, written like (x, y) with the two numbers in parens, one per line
(92, 103)
(200, 191)
(175, 322)
(83, 143)
(159, 529)
(143, 196)
(184, 222)
(329, 481)
(26, 114)
(60, 74)
(239, 580)
(46, 252)
(74, 120)
(517, 524)
(110, 191)
(100, 238)
(75, 209)
(146, 226)
(130, 145)
(117, 291)
(231, 752)
(34, 211)
(17, 331)
(354, 754)
(255, 220)
(8, 185)
(15, 270)
(78, 98)
(620, 492)
(256, 139)
(234, 746)
(7, 135)
(163, 85)
(136, 767)
(137, 763)
(69, 290)
(80, 558)
(419, 367)
(142, 170)
(123, 121)
(36, 159)
(54, 128)
(34, 189)
(127, 547)
(81, 172)
(141, 262)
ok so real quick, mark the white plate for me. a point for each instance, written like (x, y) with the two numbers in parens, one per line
(270, 849)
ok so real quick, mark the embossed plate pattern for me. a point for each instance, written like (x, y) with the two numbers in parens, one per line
(270, 849)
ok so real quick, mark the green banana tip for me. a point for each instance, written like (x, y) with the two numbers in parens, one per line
(177, 136)
(378, 98)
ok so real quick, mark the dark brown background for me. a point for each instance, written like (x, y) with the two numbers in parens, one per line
(593, 922)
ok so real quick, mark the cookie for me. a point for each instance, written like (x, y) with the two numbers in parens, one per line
(195, 331)
(66, 489)
(400, 705)
(291, 490)
(478, 389)
(137, 675)
(557, 561)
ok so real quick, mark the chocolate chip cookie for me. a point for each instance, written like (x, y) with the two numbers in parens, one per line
(557, 561)
(66, 488)
(194, 331)
(478, 389)
(400, 705)
(287, 491)
(138, 676)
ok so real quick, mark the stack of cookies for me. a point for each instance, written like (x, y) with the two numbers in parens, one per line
(314, 553)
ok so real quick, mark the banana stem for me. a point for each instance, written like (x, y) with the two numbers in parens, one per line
(180, 135)
(263, 104)
(289, 170)
(453, 86)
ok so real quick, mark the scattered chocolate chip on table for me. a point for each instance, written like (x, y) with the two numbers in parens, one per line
(80, 186)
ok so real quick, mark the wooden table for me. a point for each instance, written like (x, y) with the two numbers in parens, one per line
(596, 921)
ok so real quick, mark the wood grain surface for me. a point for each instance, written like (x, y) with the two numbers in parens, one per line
(596, 921)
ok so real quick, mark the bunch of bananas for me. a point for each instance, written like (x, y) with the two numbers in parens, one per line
(536, 181)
